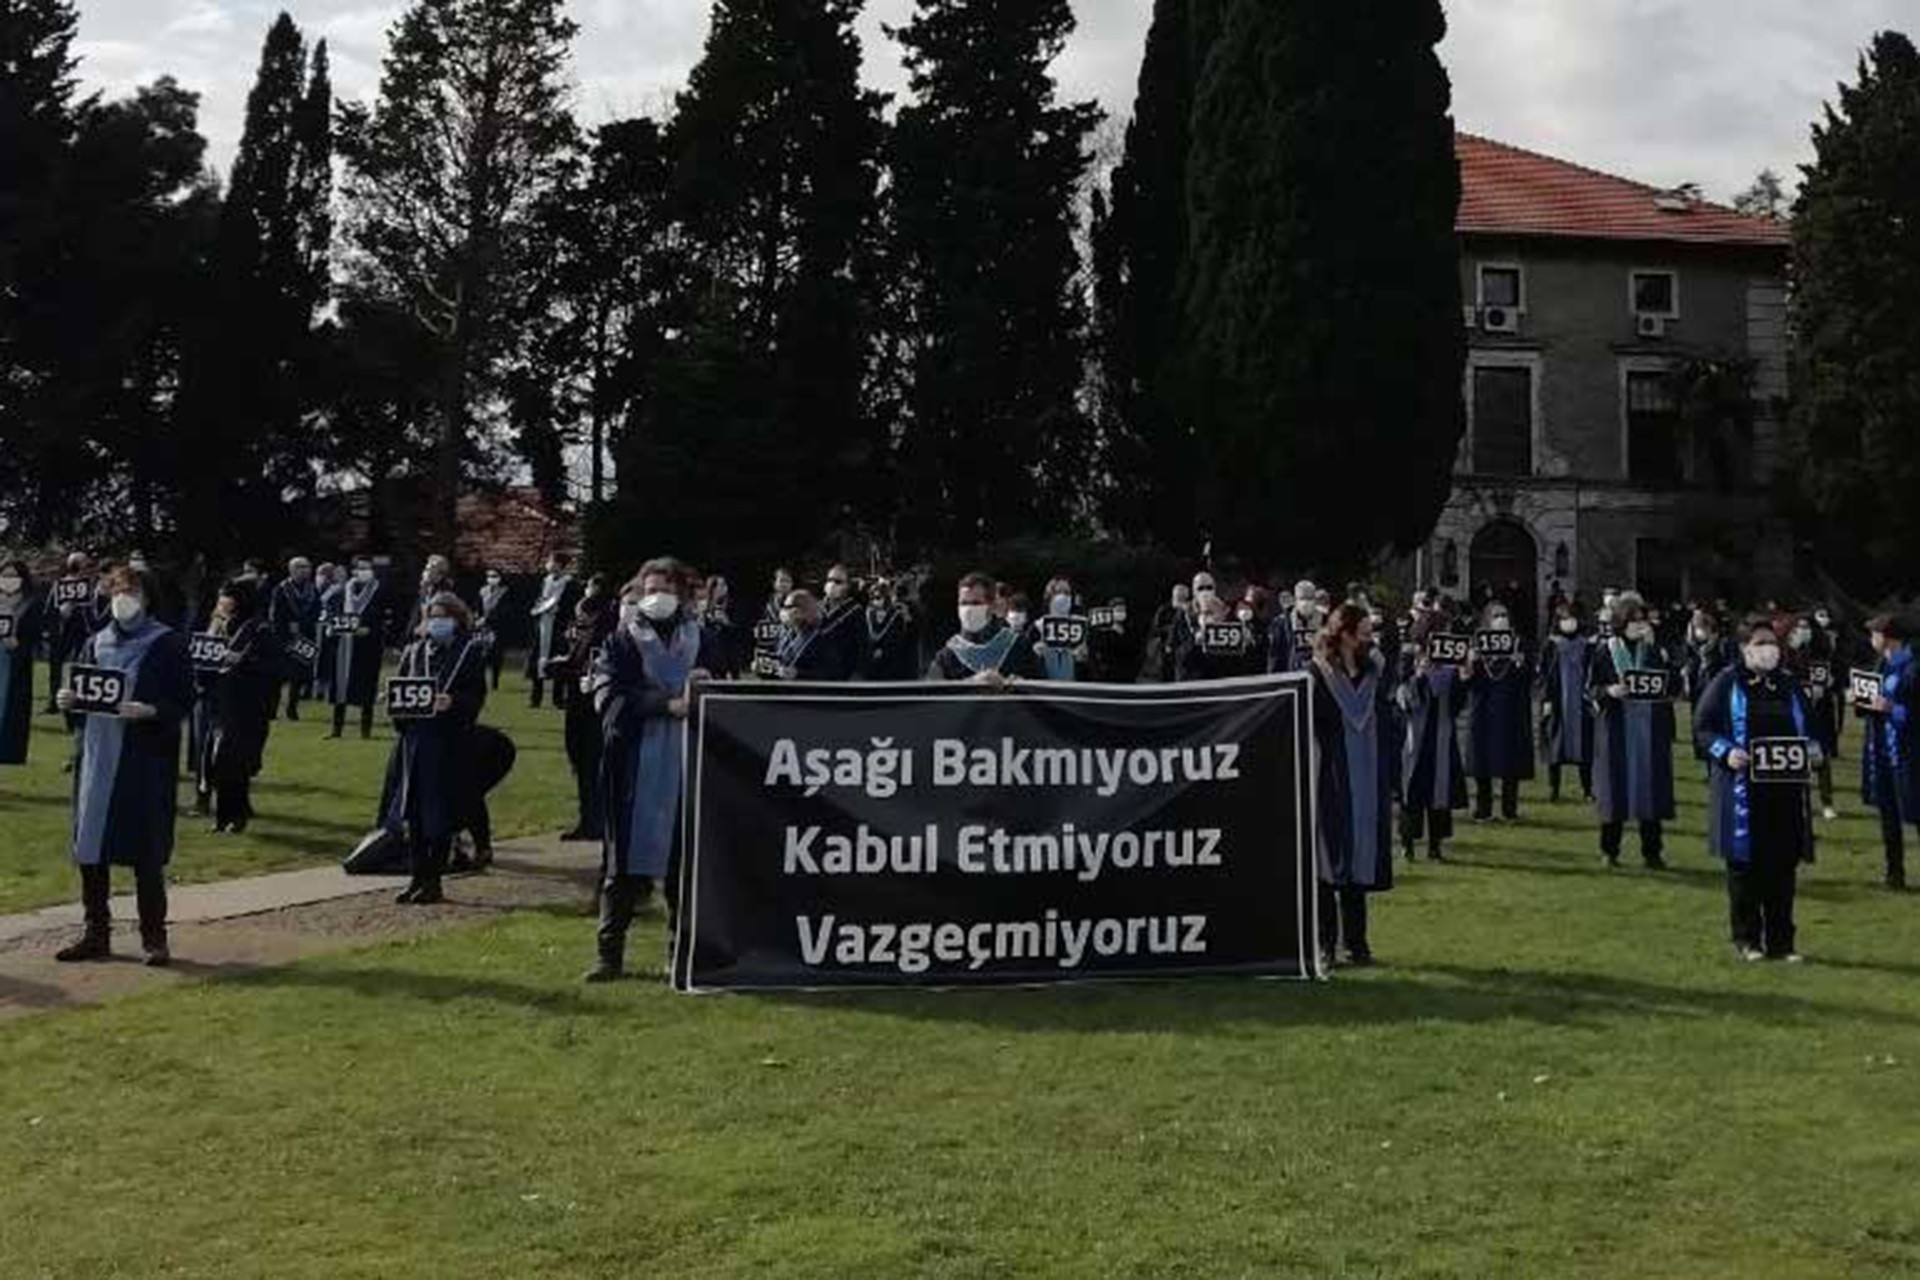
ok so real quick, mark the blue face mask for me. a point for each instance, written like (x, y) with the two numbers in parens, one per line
(442, 630)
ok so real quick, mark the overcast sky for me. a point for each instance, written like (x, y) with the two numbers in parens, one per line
(1666, 91)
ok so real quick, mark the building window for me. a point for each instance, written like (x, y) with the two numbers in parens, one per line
(1657, 571)
(1500, 286)
(1503, 420)
(1656, 293)
(1653, 428)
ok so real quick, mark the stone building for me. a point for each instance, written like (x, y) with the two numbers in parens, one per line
(1627, 368)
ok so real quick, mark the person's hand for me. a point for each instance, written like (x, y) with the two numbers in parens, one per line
(361, 632)
(991, 679)
(1546, 712)
(1737, 760)
(1879, 706)
(230, 659)
(64, 699)
(1618, 692)
(698, 675)
(678, 707)
(137, 711)
(442, 703)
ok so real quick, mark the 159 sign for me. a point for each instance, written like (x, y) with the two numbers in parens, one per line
(97, 691)
(1648, 686)
(411, 697)
(1787, 760)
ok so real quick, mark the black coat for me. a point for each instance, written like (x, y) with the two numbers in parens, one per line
(16, 694)
(437, 792)
(240, 701)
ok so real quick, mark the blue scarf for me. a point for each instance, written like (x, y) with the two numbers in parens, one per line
(983, 655)
(101, 740)
(659, 759)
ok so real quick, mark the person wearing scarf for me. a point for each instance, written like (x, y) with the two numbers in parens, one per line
(1500, 702)
(433, 796)
(892, 642)
(357, 652)
(1705, 654)
(643, 686)
(1355, 759)
(1808, 647)
(294, 614)
(239, 701)
(493, 594)
(1890, 762)
(1763, 831)
(985, 649)
(551, 613)
(805, 651)
(1566, 719)
(1431, 698)
(25, 616)
(1632, 740)
(127, 769)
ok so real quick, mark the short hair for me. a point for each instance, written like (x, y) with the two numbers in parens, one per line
(674, 570)
(1894, 626)
(1759, 622)
(977, 582)
(122, 578)
(451, 605)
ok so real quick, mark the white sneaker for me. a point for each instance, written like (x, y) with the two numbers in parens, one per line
(1794, 957)
(1752, 955)
(1830, 813)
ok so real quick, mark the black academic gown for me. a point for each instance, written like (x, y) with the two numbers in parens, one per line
(240, 703)
(890, 650)
(1500, 697)
(1192, 663)
(1752, 823)
(436, 792)
(16, 678)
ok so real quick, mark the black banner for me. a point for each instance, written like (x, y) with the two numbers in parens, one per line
(1497, 644)
(1225, 638)
(343, 624)
(950, 835)
(1781, 760)
(72, 591)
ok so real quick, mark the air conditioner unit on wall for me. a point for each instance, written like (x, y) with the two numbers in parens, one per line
(1651, 326)
(1499, 319)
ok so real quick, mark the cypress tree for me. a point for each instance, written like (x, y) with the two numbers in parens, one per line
(987, 167)
(1857, 315)
(1321, 296)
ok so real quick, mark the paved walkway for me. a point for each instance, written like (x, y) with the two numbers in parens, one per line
(237, 926)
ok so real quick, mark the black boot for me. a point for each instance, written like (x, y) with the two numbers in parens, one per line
(95, 944)
(153, 941)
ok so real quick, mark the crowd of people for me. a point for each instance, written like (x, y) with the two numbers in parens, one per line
(1421, 715)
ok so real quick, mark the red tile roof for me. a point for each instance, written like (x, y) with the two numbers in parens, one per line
(1514, 192)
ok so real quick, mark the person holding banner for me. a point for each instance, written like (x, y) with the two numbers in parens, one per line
(1754, 726)
(129, 763)
(1630, 685)
(21, 618)
(240, 698)
(1811, 658)
(434, 793)
(1500, 699)
(1355, 758)
(358, 627)
(892, 648)
(1431, 699)
(487, 620)
(642, 687)
(985, 649)
(550, 613)
(593, 623)
(294, 615)
(1890, 764)
(806, 651)
(1566, 719)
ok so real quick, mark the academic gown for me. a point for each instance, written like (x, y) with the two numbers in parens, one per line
(997, 648)
(435, 792)
(294, 612)
(1355, 759)
(811, 655)
(1192, 663)
(1282, 656)
(593, 624)
(356, 658)
(550, 628)
(1750, 822)
(124, 781)
(1500, 695)
(1700, 665)
(240, 703)
(1890, 764)
(1431, 767)
(891, 652)
(1567, 731)
(729, 644)
(1632, 741)
(638, 673)
(1822, 704)
(16, 677)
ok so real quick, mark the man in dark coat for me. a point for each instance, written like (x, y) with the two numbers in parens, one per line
(76, 624)
(551, 613)
(594, 621)
(357, 620)
(293, 614)
(241, 700)
(22, 615)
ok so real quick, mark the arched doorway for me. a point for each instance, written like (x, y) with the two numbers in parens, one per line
(1505, 560)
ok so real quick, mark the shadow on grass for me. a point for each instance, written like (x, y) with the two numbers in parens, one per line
(1711, 878)
(412, 984)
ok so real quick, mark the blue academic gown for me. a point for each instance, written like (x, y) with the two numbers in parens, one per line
(1749, 822)
(1568, 732)
(1434, 776)
(636, 674)
(1355, 761)
(1501, 694)
(16, 680)
(431, 783)
(1632, 741)
(125, 780)
(1890, 765)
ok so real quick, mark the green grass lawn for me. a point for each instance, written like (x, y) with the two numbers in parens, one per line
(316, 799)
(1558, 1072)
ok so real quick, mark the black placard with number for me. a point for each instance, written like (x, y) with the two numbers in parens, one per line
(412, 697)
(303, 651)
(1062, 632)
(1780, 760)
(343, 624)
(1863, 687)
(766, 636)
(1819, 675)
(1108, 617)
(72, 591)
(1648, 686)
(1225, 637)
(1497, 644)
(97, 691)
(1449, 649)
(766, 666)
(207, 652)
(6, 626)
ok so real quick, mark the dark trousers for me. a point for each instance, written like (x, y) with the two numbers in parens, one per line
(427, 859)
(1343, 919)
(1760, 905)
(1483, 797)
(1653, 840)
(55, 665)
(297, 692)
(233, 801)
(340, 720)
(621, 897)
(584, 750)
(1435, 824)
(150, 892)
(496, 662)
(1586, 779)
(1823, 773)
(1893, 838)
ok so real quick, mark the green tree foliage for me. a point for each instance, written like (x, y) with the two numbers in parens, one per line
(987, 167)
(1857, 317)
(449, 176)
(1323, 345)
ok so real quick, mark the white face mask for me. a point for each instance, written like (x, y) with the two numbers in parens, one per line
(1061, 605)
(128, 609)
(1824, 619)
(1017, 620)
(363, 575)
(1569, 626)
(836, 591)
(10, 586)
(1205, 596)
(1763, 657)
(1802, 638)
(1638, 630)
(1500, 624)
(660, 606)
(788, 617)
(974, 618)
(629, 612)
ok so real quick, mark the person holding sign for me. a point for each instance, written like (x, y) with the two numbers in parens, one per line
(435, 699)
(642, 686)
(294, 614)
(1217, 647)
(1890, 764)
(358, 626)
(1630, 686)
(985, 650)
(21, 618)
(129, 763)
(1500, 695)
(1353, 730)
(1566, 720)
(1062, 661)
(82, 611)
(240, 697)
(593, 623)
(1431, 698)
(1811, 657)
(1753, 725)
